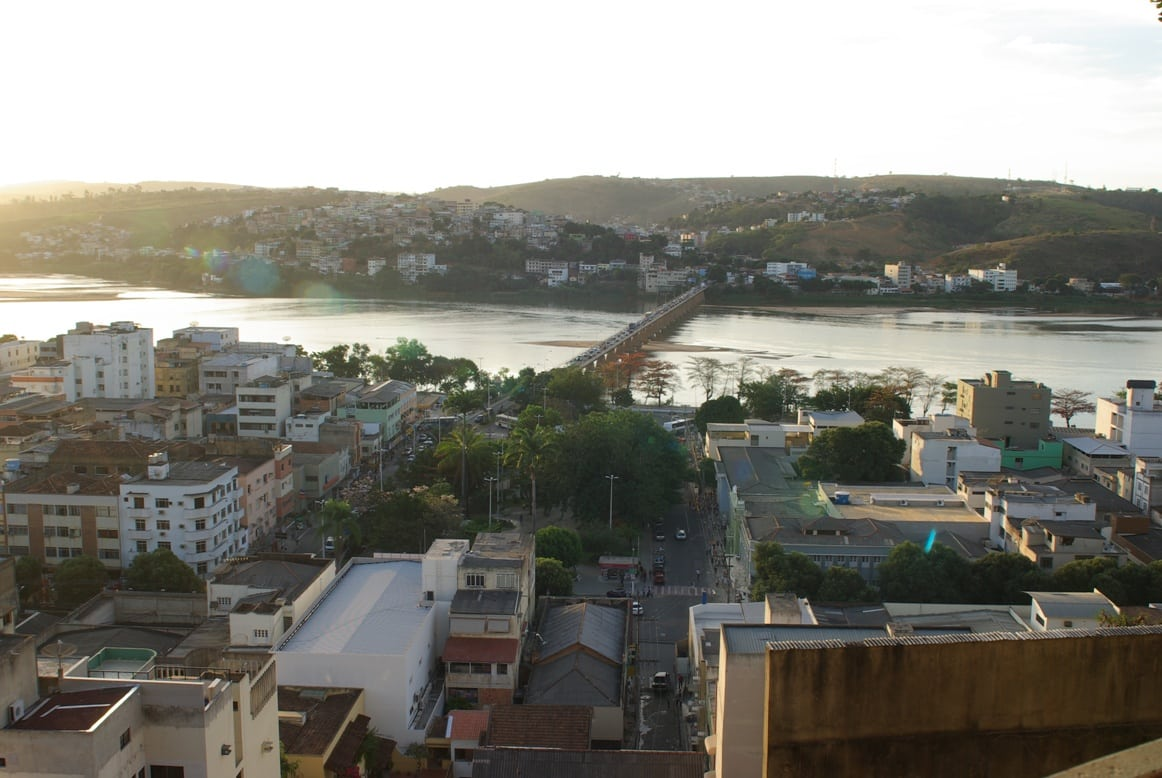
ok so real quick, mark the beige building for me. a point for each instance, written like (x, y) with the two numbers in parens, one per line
(61, 515)
(1014, 412)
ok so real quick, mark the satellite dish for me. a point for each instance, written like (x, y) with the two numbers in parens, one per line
(58, 649)
(286, 338)
(194, 323)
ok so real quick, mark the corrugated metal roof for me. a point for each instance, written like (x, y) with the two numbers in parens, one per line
(509, 762)
(575, 679)
(599, 628)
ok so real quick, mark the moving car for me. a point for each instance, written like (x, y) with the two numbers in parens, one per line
(616, 593)
(659, 576)
(660, 682)
(659, 533)
(680, 535)
(329, 545)
(638, 608)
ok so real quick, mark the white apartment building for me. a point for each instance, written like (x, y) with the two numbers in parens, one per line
(411, 266)
(64, 378)
(938, 457)
(264, 405)
(1007, 505)
(218, 338)
(1147, 482)
(224, 373)
(1001, 278)
(123, 357)
(1135, 422)
(190, 508)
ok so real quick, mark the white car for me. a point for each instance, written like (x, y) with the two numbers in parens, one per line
(680, 535)
(638, 609)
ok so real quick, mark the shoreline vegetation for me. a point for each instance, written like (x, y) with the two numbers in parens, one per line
(623, 298)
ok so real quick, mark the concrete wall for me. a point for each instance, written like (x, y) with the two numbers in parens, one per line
(1014, 705)
(160, 608)
(740, 707)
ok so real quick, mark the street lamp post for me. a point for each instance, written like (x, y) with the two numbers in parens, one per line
(490, 481)
(611, 478)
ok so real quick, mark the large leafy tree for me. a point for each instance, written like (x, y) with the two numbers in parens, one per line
(529, 450)
(162, 571)
(77, 579)
(408, 520)
(649, 464)
(336, 520)
(1004, 579)
(559, 543)
(844, 584)
(344, 361)
(869, 452)
(777, 570)
(409, 360)
(774, 396)
(579, 390)
(720, 410)
(464, 456)
(657, 379)
(911, 574)
(29, 580)
(552, 578)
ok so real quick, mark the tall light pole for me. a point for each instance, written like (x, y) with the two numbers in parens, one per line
(490, 481)
(611, 478)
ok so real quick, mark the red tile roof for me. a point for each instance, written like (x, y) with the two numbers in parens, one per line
(540, 726)
(468, 724)
(74, 711)
(490, 650)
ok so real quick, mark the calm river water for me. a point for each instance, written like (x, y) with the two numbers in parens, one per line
(1095, 354)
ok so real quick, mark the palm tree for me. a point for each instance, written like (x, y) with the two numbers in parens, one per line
(463, 455)
(336, 520)
(528, 448)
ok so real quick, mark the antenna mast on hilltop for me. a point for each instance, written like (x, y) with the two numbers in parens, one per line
(834, 175)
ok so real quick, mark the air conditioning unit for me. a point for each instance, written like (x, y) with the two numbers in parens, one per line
(940, 503)
(903, 502)
(162, 533)
(15, 711)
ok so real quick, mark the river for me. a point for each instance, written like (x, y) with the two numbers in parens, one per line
(1091, 353)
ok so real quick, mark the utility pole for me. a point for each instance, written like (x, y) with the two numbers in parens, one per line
(611, 478)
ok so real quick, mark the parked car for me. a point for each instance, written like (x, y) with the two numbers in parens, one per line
(616, 593)
(329, 545)
(680, 535)
(660, 682)
(659, 533)
(659, 576)
(638, 608)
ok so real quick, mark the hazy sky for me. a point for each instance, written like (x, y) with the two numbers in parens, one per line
(411, 96)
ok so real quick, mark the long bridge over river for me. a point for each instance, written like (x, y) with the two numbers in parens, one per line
(640, 332)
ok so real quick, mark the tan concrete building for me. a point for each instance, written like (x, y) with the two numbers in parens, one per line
(1015, 412)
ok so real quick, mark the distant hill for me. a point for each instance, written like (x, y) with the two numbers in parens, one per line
(648, 201)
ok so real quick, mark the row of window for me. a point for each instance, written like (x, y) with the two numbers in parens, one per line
(476, 668)
(503, 580)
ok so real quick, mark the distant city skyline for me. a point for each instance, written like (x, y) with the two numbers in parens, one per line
(417, 97)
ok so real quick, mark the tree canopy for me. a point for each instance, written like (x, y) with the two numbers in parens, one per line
(552, 578)
(867, 453)
(78, 579)
(162, 571)
(720, 410)
(776, 570)
(559, 543)
(408, 520)
(911, 574)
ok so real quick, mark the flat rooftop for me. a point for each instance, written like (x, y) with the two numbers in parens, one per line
(371, 608)
(75, 711)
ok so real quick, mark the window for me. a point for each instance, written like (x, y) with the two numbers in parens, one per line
(505, 581)
(108, 534)
(474, 580)
(108, 553)
(165, 771)
(161, 502)
(164, 544)
(262, 633)
(199, 502)
(200, 547)
(142, 547)
(458, 667)
(481, 668)
(163, 524)
(1067, 623)
(200, 524)
(139, 525)
(502, 669)
(125, 737)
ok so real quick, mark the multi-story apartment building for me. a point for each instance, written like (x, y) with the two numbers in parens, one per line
(412, 266)
(64, 378)
(224, 373)
(899, 274)
(122, 354)
(53, 517)
(1135, 422)
(217, 338)
(938, 457)
(264, 405)
(18, 354)
(1014, 412)
(1008, 505)
(387, 404)
(190, 508)
(258, 492)
(1001, 278)
(176, 363)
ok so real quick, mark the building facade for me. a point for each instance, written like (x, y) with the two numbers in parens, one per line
(1014, 412)
(122, 355)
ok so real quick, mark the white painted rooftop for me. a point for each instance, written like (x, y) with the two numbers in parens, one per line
(373, 607)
